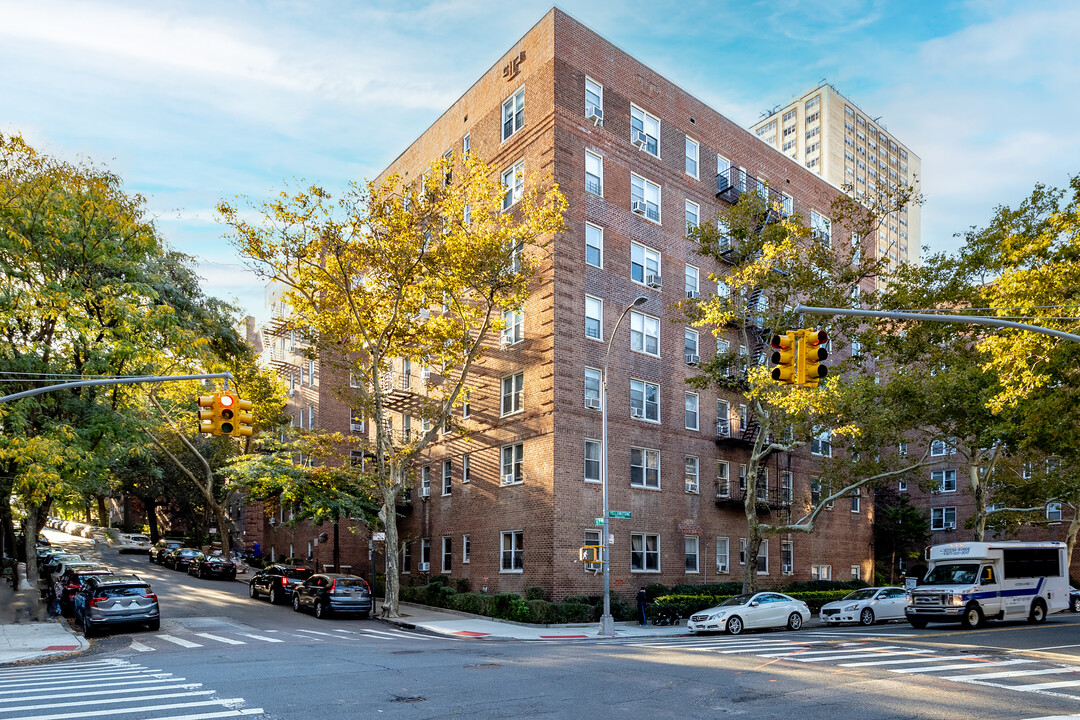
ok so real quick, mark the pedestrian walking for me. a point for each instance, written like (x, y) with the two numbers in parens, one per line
(642, 604)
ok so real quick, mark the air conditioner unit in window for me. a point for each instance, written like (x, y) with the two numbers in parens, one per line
(692, 294)
(691, 487)
(272, 520)
(785, 569)
(692, 359)
(639, 139)
(638, 207)
(504, 341)
(508, 479)
(637, 413)
(721, 568)
(425, 373)
(653, 281)
(423, 567)
(425, 491)
(596, 115)
(592, 403)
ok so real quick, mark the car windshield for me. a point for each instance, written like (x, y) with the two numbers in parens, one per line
(864, 594)
(350, 582)
(296, 573)
(952, 574)
(737, 600)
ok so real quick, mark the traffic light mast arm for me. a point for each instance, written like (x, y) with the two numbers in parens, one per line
(932, 317)
(113, 381)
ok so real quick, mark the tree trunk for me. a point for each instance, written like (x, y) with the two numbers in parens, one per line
(30, 533)
(388, 514)
(150, 504)
(103, 512)
(223, 528)
(337, 554)
(129, 510)
(1070, 538)
(978, 489)
(86, 510)
(753, 540)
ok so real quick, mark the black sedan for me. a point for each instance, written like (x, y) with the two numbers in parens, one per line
(180, 558)
(162, 548)
(277, 582)
(327, 594)
(205, 566)
(1074, 599)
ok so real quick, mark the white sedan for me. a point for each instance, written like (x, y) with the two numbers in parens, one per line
(133, 543)
(750, 611)
(867, 606)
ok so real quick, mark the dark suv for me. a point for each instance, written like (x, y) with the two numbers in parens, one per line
(180, 558)
(72, 582)
(204, 566)
(278, 582)
(162, 548)
(333, 593)
(116, 600)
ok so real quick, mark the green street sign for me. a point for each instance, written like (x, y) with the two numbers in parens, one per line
(598, 521)
(623, 514)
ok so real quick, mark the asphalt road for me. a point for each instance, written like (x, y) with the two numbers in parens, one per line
(220, 654)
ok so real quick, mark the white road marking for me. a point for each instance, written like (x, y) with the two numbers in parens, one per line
(227, 641)
(52, 696)
(57, 666)
(141, 698)
(179, 641)
(391, 633)
(1046, 686)
(128, 711)
(6, 687)
(307, 637)
(139, 647)
(96, 685)
(1012, 673)
(262, 637)
(959, 666)
(832, 651)
(1056, 717)
(855, 654)
(350, 632)
(905, 661)
(315, 632)
(89, 672)
(209, 716)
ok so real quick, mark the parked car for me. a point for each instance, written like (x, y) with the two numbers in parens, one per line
(71, 582)
(162, 548)
(333, 593)
(42, 541)
(80, 564)
(133, 543)
(277, 582)
(53, 562)
(867, 606)
(180, 558)
(205, 566)
(751, 611)
(1074, 599)
(116, 600)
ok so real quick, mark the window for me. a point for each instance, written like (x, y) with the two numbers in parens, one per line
(356, 420)
(787, 204)
(787, 557)
(645, 400)
(353, 382)
(292, 382)
(691, 419)
(466, 463)
(692, 281)
(513, 327)
(644, 552)
(645, 130)
(594, 173)
(723, 418)
(512, 390)
(856, 572)
(815, 491)
(513, 113)
(466, 144)
(722, 565)
(514, 182)
(466, 405)
(594, 318)
(691, 465)
(821, 444)
(812, 132)
(406, 557)
(856, 500)
(301, 371)
(513, 458)
(311, 372)
(938, 448)
(594, 98)
(1053, 511)
(787, 488)
(513, 544)
(311, 417)
(644, 264)
(690, 346)
(592, 461)
(813, 118)
(690, 552)
(692, 214)
(762, 556)
(645, 198)
(944, 480)
(691, 158)
(447, 553)
(771, 127)
(592, 388)
(645, 468)
(723, 480)
(425, 550)
(821, 227)
(447, 476)
(466, 549)
(821, 572)
(594, 245)
(943, 518)
(644, 333)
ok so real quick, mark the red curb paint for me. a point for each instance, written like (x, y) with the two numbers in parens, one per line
(60, 647)
(469, 633)
(563, 637)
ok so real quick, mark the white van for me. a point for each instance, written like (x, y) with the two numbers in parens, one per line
(970, 582)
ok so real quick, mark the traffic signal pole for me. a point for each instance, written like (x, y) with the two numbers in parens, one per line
(113, 381)
(974, 320)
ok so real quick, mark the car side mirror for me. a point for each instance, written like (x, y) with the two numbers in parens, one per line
(755, 603)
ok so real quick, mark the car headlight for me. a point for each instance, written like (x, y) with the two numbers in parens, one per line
(955, 600)
(851, 608)
(718, 616)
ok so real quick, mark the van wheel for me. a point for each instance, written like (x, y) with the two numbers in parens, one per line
(972, 617)
(1038, 612)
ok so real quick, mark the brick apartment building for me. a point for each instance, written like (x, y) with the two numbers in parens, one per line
(637, 158)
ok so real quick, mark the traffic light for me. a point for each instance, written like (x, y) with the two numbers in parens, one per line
(226, 409)
(208, 415)
(243, 418)
(811, 353)
(591, 554)
(783, 357)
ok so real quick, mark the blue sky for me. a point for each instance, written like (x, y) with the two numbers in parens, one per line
(197, 101)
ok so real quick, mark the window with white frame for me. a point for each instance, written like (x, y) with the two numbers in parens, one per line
(594, 173)
(690, 346)
(723, 565)
(690, 553)
(311, 372)
(942, 518)
(513, 551)
(353, 381)
(743, 415)
(787, 557)
(821, 444)
(692, 148)
(466, 404)
(513, 113)
(311, 417)
(644, 552)
(939, 448)
(513, 389)
(856, 500)
(692, 281)
(447, 553)
(645, 198)
(1053, 511)
(645, 400)
(594, 317)
(691, 473)
(856, 572)
(466, 549)
(292, 382)
(513, 180)
(425, 551)
(644, 263)
(693, 212)
(644, 333)
(787, 487)
(466, 468)
(787, 204)
(301, 375)
(406, 556)
(594, 98)
(645, 468)
(821, 572)
(592, 461)
(944, 480)
(742, 477)
(645, 130)
(901, 486)
(447, 476)
(356, 420)
(513, 327)
(691, 414)
(723, 479)
(513, 461)
(594, 245)
(723, 418)
(763, 558)
(821, 227)
(466, 144)
(593, 379)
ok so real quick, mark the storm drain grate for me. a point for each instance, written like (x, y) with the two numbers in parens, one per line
(408, 698)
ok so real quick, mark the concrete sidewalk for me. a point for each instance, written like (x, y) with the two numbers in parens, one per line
(458, 624)
(38, 640)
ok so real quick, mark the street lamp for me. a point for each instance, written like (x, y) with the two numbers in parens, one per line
(607, 624)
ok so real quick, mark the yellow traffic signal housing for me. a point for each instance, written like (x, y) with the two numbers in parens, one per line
(783, 357)
(225, 407)
(811, 354)
(208, 414)
(244, 418)
(592, 554)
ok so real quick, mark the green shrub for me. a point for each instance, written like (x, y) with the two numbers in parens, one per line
(535, 592)
(620, 608)
(684, 605)
(580, 599)
(502, 605)
(541, 612)
(654, 590)
(727, 588)
(575, 612)
(822, 585)
(475, 603)
(462, 585)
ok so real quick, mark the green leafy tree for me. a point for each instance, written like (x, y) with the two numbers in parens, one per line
(901, 530)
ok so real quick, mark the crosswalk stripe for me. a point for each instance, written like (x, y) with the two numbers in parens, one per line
(53, 696)
(1056, 717)
(227, 641)
(938, 668)
(902, 661)
(47, 674)
(854, 654)
(58, 668)
(139, 647)
(141, 698)
(832, 651)
(1012, 673)
(261, 637)
(315, 632)
(1046, 686)
(96, 685)
(379, 634)
(349, 632)
(209, 716)
(128, 711)
(179, 641)
(7, 686)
